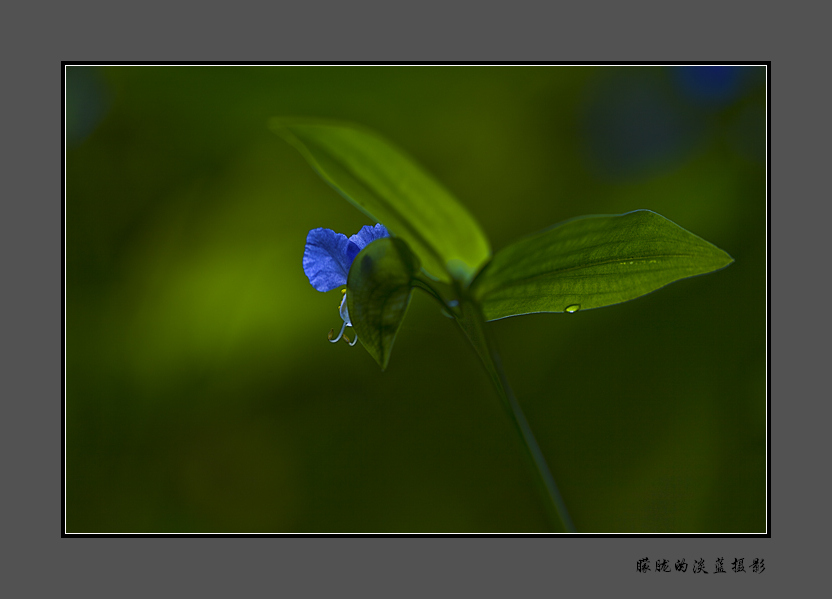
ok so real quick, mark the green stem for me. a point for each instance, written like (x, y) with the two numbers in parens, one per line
(468, 315)
(472, 323)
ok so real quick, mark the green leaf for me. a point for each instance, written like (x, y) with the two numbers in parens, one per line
(378, 293)
(591, 262)
(388, 186)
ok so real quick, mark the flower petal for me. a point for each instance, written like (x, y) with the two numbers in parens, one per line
(368, 234)
(327, 258)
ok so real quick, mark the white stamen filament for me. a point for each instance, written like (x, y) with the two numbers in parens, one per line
(342, 311)
(340, 333)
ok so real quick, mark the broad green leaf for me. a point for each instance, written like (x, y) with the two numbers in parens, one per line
(591, 262)
(392, 189)
(378, 293)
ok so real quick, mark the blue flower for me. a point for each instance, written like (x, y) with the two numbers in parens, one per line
(327, 259)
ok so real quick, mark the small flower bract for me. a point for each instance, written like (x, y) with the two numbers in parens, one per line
(327, 259)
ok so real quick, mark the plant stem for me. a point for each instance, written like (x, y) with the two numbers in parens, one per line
(472, 323)
(469, 317)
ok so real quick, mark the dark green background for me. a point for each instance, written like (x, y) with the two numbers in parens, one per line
(202, 395)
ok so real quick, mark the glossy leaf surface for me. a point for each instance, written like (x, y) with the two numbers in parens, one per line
(591, 262)
(392, 189)
(378, 294)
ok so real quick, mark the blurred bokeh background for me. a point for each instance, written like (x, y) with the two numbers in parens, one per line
(201, 392)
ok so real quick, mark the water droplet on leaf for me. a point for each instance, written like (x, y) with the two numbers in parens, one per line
(572, 308)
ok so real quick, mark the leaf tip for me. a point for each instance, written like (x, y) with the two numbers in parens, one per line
(280, 126)
(729, 259)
